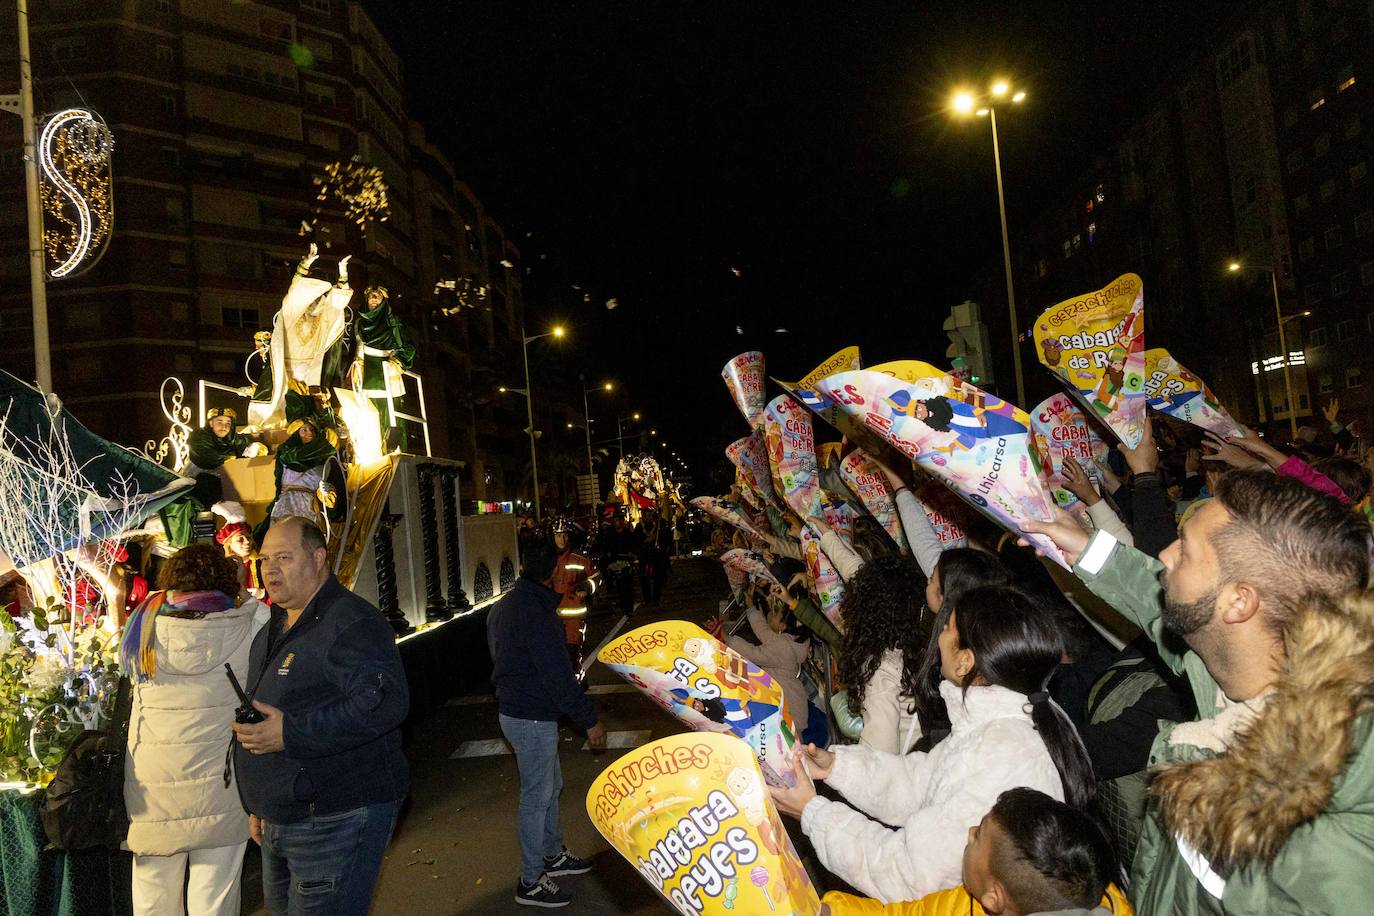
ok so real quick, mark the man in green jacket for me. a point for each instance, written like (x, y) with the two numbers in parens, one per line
(1265, 805)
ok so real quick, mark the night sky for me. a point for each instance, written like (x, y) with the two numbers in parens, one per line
(649, 147)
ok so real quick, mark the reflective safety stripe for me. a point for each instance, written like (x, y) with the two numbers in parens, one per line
(572, 611)
(574, 566)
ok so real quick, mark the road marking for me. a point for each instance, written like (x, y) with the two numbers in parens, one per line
(623, 739)
(591, 656)
(601, 689)
(478, 700)
(487, 747)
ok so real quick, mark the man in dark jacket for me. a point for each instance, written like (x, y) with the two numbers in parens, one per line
(322, 775)
(535, 687)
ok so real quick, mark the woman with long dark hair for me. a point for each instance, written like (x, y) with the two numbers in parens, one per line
(959, 569)
(881, 650)
(997, 652)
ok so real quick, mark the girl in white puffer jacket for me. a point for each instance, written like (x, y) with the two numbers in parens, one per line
(183, 812)
(997, 652)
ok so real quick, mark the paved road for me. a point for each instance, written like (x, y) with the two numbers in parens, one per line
(456, 849)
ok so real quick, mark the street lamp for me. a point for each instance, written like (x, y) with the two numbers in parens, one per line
(620, 434)
(1237, 267)
(965, 102)
(525, 342)
(587, 416)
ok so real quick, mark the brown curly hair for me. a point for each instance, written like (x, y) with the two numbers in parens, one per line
(199, 567)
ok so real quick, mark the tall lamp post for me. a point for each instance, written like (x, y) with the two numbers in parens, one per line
(1237, 267)
(587, 418)
(620, 433)
(985, 106)
(529, 408)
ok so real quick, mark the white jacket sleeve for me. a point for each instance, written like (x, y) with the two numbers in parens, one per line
(925, 546)
(891, 865)
(1104, 519)
(889, 787)
(847, 561)
(881, 712)
(926, 854)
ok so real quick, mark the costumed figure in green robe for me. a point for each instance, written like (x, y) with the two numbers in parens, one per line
(306, 331)
(210, 447)
(311, 441)
(385, 349)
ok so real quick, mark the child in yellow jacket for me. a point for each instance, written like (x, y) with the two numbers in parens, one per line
(1030, 854)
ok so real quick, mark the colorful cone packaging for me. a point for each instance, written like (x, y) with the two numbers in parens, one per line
(978, 445)
(1095, 343)
(1062, 431)
(1174, 391)
(846, 360)
(944, 511)
(691, 813)
(792, 455)
(709, 687)
(749, 563)
(870, 486)
(825, 578)
(744, 377)
(727, 512)
(750, 458)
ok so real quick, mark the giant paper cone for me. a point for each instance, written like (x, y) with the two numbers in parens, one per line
(744, 377)
(976, 444)
(1174, 391)
(862, 476)
(708, 687)
(692, 815)
(1095, 343)
(1062, 431)
(792, 455)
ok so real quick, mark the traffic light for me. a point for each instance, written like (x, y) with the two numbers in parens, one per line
(969, 354)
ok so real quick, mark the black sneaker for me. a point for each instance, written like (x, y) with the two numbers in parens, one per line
(543, 892)
(565, 863)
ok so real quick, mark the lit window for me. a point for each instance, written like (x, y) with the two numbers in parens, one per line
(1315, 99)
(1346, 84)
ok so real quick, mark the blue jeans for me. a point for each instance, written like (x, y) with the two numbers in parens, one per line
(541, 781)
(327, 863)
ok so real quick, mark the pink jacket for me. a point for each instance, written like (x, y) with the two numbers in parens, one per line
(1298, 469)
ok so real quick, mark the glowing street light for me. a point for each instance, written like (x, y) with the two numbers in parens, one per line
(620, 433)
(965, 102)
(1237, 267)
(525, 342)
(587, 415)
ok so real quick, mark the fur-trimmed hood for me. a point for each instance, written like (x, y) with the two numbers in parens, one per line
(1280, 769)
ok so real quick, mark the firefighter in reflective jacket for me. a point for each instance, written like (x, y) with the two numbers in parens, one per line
(575, 579)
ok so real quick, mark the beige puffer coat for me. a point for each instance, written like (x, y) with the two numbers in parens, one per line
(179, 731)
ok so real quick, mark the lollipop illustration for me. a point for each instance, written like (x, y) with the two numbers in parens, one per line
(759, 875)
